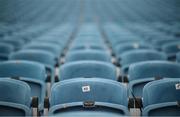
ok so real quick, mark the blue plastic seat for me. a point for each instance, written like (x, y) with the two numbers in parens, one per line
(15, 98)
(5, 50)
(44, 57)
(161, 98)
(130, 46)
(171, 49)
(30, 72)
(49, 40)
(88, 39)
(87, 46)
(53, 48)
(85, 97)
(88, 54)
(140, 55)
(119, 42)
(17, 44)
(144, 72)
(87, 69)
(159, 43)
(40, 56)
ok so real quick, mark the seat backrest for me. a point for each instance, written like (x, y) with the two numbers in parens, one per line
(44, 57)
(53, 48)
(17, 44)
(118, 43)
(88, 39)
(160, 42)
(154, 69)
(87, 46)
(14, 91)
(15, 98)
(48, 39)
(131, 46)
(6, 48)
(172, 47)
(95, 89)
(134, 56)
(22, 69)
(88, 69)
(89, 54)
(161, 91)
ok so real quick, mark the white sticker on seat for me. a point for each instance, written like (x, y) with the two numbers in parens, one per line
(86, 88)
(177, 86)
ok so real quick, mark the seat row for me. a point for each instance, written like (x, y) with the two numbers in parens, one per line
(143, 60)
(87, 79)
(91, 97)
(45, 70)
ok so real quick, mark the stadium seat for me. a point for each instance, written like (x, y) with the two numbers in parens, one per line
(15, 99)
(86, 46)
(88, 39)
(159, 43)
(161, 98)
(88, 54)
(17, 44)
(53, 48)
(43, 57)
(5, 50)
(88, 97)
(30, 72)
(87, 69)
(119, 42)
(144, 72)
(139, 55)
(48, 39)
(171, 49)
(130, 46)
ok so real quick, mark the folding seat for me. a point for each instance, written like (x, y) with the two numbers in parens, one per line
(88, 97)
(30, 72)
(43, 57)
(144, 72)
(44, 42)
(87, 69)
(17, 44)
(120, 42)
(60, 43)
(134, 56)
(171, 49)
(87, 46)
(130, 46)
(161, 98)
(88, 54)
(5, 50)
(15, 99)
(86, 40)
(23, 36)
(87, 34)
(158, 44)
(52, 48)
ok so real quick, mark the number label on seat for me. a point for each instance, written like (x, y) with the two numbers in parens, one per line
(177, 86)
(86, 88)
